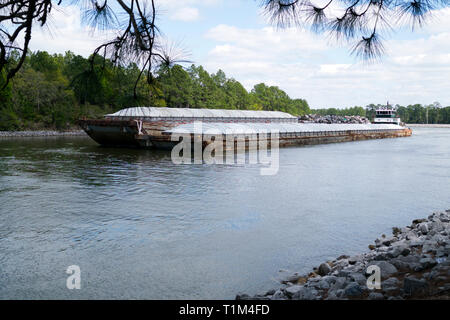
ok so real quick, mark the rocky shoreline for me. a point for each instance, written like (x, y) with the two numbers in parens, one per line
(41, 133)
(414, 263)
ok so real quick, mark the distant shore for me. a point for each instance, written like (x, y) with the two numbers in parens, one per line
(41, 133)
(414, 263)
(422, 125)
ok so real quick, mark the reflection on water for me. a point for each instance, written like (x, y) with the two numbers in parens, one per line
(141, 227)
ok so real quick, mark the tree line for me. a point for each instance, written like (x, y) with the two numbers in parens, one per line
(54, 90)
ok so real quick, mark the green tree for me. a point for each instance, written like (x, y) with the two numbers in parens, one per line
(300, 107)
(236, 97)
(176, 86)
(205, 93)
(271, 98)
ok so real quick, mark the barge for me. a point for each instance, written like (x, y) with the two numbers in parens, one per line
(151, 127)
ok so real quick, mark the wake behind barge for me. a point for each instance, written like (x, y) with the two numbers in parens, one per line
(150, 127)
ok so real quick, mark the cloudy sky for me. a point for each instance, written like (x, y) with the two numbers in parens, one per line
(234, 36)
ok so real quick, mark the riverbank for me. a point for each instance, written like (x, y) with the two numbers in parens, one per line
(414, 264)
(421, 125)
(41, 133)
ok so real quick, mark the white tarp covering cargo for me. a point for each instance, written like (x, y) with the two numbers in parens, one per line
(154, 112)
(249, 128)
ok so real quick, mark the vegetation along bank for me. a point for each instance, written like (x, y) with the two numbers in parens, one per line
(53, 91)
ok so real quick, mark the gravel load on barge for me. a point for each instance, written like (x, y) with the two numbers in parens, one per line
(151, 127)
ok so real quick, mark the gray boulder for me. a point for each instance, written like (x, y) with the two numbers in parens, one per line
(447, 250)
(353, 260)
(414, 287)
(391, 282)
(381, 257)
(292, 290)
(387, 269)
(390, 286)
(417, 221)
(427, 263)
(345, 273)
(279, 295)
(401, 265)
(324, 269)
(330, 279)
(353, 289)
(270, 292)
(243, 296)
(394, 253)
(306, 294)
(423, 227)
(359, 278)
(375, 296)
(292, 278)
(388, 241)
(437, 226)
(340, 283)
(416, 242)
(322, 285)
(405, 251)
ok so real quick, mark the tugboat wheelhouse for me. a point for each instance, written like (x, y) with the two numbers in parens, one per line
(386, 115)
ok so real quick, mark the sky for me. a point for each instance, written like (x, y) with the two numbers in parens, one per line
(234, 36)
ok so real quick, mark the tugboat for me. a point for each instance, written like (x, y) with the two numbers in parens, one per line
(386, 115)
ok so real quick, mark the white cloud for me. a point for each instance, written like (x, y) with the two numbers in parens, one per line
(333, 68)
(176, 3)
(439, 21)
(186, 10)
(65, 32)
(305, 65)
(185, 14)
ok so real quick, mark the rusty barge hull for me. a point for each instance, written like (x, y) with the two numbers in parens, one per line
(114, 133)
(158, 134)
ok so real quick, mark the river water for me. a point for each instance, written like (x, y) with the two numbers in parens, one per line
(139, 226)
